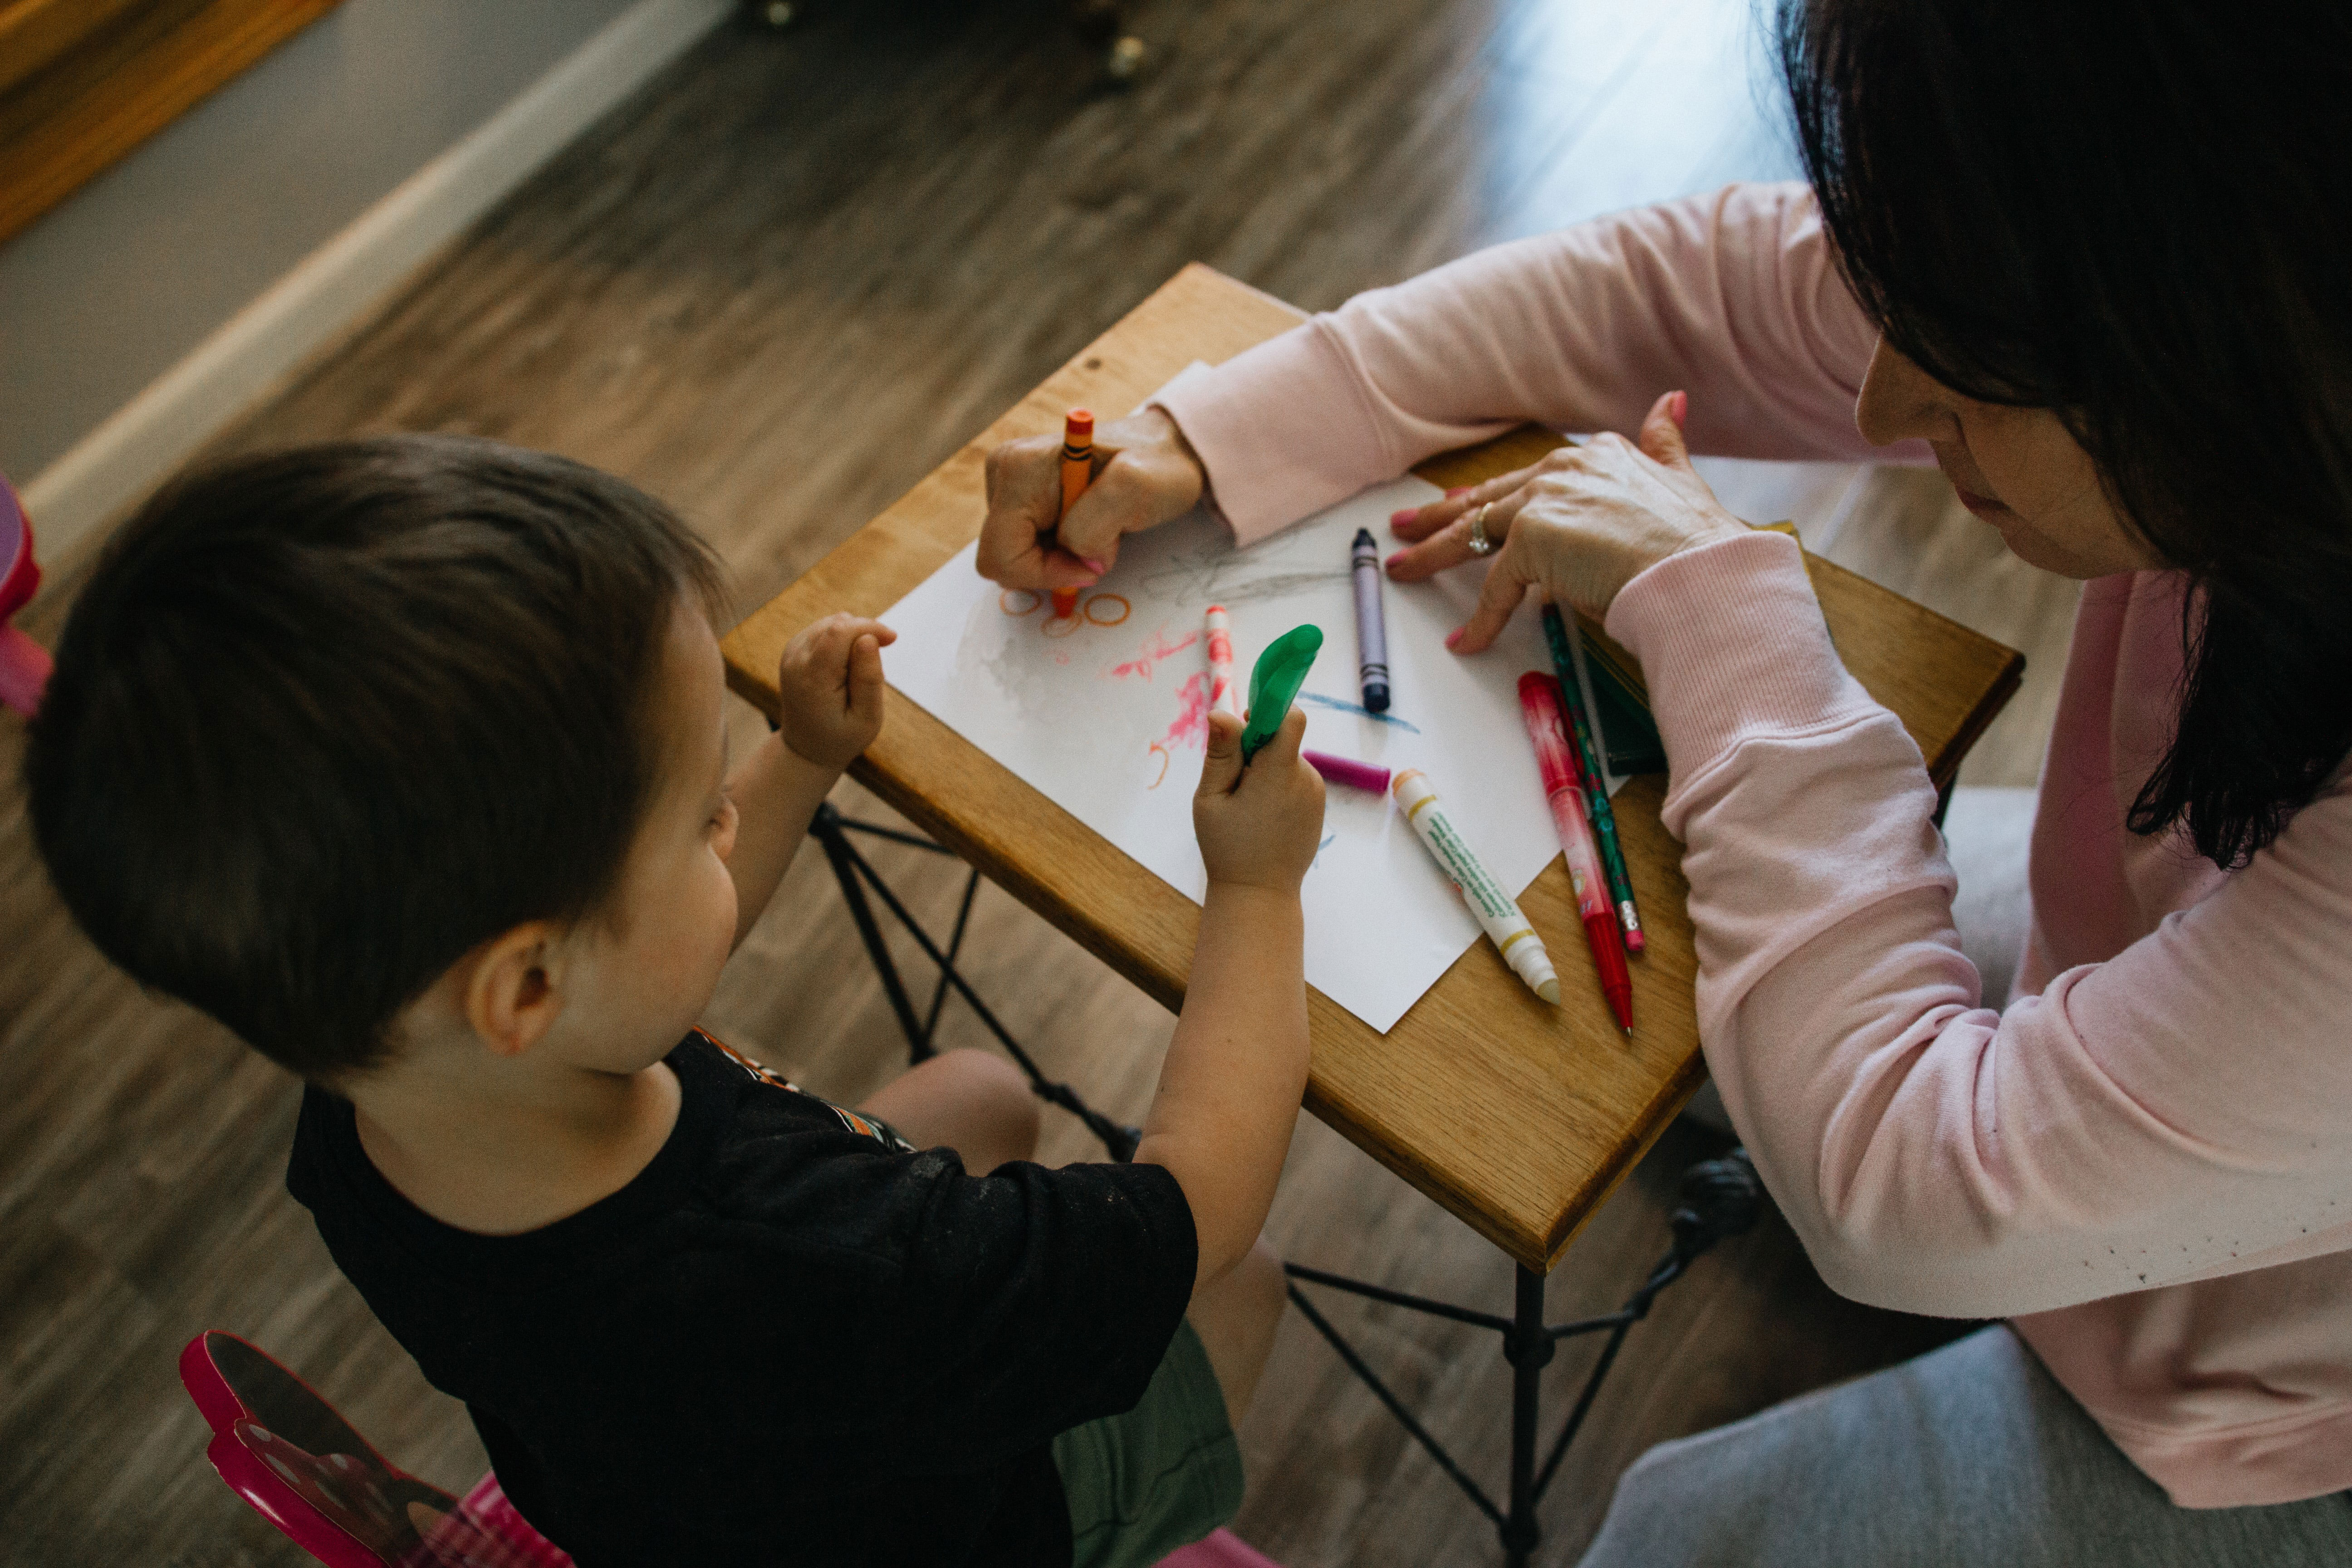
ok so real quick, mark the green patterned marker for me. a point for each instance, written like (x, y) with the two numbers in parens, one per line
(1281, 671)
(1596, 794)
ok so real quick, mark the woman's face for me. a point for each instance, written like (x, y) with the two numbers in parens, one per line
(2016, 468)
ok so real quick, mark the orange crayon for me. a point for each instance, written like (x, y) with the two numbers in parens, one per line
(1077, 473)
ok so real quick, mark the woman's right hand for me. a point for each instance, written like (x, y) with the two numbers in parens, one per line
(1145, 475)
(1579, 524)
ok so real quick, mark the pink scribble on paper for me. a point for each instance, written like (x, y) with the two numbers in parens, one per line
(1160, 648)
(1191, 726)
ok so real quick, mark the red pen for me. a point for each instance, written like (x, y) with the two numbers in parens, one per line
(1564, 784)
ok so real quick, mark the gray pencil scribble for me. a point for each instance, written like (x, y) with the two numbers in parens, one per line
(1221, 575)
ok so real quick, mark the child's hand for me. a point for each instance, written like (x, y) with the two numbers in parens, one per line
(1259, 826)
(829, 690)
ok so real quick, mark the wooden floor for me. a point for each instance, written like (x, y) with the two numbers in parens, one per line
(776, 288)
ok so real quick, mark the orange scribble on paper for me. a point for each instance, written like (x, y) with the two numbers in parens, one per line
(1160, 648)
(1191, 726)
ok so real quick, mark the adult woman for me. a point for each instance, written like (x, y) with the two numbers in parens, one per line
(2092, 259)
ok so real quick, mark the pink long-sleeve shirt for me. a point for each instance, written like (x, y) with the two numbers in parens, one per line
(2145, 1161)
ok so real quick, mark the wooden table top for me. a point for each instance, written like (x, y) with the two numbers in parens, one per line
(1519, 1117)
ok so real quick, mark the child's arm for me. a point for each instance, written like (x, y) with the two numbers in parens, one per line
(829, 689)
(1230, 1088)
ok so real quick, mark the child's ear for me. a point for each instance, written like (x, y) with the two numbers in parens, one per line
(511, 998)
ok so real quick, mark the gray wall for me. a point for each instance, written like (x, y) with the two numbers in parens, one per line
(115, 286)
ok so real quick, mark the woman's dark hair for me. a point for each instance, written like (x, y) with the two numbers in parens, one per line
(2139, 217)
(323, 721)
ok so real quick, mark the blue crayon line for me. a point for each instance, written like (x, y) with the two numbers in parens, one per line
(1358, 711)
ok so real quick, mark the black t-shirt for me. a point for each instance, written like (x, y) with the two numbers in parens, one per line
(790, 1338)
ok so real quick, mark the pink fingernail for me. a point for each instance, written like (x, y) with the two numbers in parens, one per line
(1678, 407)
(1397, 560)
(1454, 636)
(1093, 565)
(1458, 491)
(1397, 518)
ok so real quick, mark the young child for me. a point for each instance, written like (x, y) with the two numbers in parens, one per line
(405, 759)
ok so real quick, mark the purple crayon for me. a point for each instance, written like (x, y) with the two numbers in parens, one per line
(1371, 632)
(1348, 771)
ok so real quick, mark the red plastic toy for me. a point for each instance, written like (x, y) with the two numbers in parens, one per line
(23, 663)
(283, 1449)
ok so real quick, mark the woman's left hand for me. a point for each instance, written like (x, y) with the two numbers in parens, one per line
(1579, 525)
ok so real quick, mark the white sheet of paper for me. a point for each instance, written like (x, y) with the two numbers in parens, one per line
(1105, 714)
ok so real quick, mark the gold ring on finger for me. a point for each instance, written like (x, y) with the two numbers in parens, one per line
(1479, 544)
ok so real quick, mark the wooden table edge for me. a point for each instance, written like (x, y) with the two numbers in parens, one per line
(1944, 769)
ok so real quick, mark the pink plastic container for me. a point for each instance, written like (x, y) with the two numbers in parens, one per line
(23, 663)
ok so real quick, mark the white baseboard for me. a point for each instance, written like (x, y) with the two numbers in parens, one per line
(115, 465)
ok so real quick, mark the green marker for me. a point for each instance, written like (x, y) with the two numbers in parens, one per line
(1273, 684)
(1596, 794)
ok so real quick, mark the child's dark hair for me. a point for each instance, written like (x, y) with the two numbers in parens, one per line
(323, 721)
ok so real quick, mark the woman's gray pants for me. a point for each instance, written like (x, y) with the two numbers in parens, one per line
(1970, 1456)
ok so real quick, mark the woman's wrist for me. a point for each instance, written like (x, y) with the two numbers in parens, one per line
(1159, 443)
(1731, 643)
(1184, 448)
(1703, 534)
(1680, 551)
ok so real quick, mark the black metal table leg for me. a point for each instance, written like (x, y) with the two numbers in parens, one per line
(856, 877)
(1718, 1198)
(955, 946)
(827, 830)
(1528, 1347)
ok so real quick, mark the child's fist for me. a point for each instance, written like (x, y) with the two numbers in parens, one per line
(1259, 825)
(829, 690)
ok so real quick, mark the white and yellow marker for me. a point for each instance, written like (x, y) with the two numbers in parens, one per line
(1498, 913)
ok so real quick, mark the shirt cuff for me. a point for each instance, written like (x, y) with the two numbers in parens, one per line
(1279, 428)
(1732, 645)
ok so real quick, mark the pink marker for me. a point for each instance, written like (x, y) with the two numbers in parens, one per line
(1346, 771)
(1563, 782)
(1219, 635)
